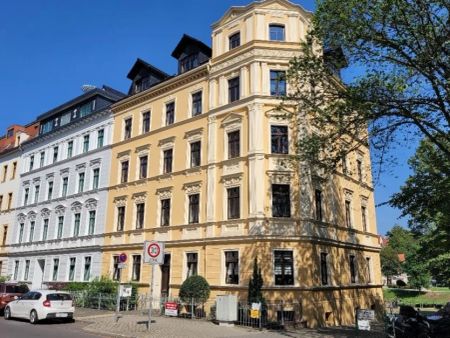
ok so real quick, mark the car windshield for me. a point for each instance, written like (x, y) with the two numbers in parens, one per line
(16, 289)
(59, 296)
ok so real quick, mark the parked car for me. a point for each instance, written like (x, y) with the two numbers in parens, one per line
(37, 305)
(9, 291)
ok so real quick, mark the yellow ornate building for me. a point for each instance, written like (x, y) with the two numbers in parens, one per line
(201, 161)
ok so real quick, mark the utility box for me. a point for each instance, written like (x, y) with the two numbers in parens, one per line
(226, 309)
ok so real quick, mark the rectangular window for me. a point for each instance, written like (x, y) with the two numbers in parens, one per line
(69, 149)
(60, 227)
(116, 270)
(189, 62)
(37, 189)
(80, 182)
(196, 103)
(233, 203)
(281, 200)
(324, 268)
(124, 172)
(16, 270)
(165, 212)
(195, 154)
(85, 143)
(194, 202)
(100, 138)
(276, 32)
(21, 229)
(233, 89)
(143, 163)
(65, 185)
(91, 228)
(27, 270)
(9, 200)
(234, 40)
(5, 173)
(369, 270)
(32, 227)
(234, 144)
(352, 269)
(279, 138)
(364, 217)
(348, 218)
(145, 122)
(13, 175)
(76, 224)
(50, 190)
(31, 162)
(55, 154)
(192, 262)
(55, 269)
(318, 205)
(283, 267)
(127, 129)
(45, 230)
(344, 165)
(72, 268)
(42, 159)
(95, 178)
(277, 83)
(5, 235)
(167, 165)
(231, 267)
(26, 196)
(120, 218)
(87, 269)
(359, 170)
(136, 273)
(140, 209)
(170, 113)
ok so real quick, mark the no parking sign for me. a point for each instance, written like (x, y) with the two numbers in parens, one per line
(154, 252)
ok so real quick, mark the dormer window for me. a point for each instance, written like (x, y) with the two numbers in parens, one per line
(234, 40)
(189, 62)
(276, 32)
(142, 84)
(10, 133)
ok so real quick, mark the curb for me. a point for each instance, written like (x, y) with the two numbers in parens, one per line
(87, 318)
(109, 334)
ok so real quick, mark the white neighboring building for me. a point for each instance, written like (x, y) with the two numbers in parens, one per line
(60, 218)
(10, 151)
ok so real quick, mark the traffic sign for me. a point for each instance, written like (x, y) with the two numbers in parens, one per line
(123, 257)
(154, 252)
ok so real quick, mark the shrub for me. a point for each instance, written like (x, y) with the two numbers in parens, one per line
(195, 287)
(76, 286)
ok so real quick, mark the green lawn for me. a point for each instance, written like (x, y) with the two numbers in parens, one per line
(413, 297)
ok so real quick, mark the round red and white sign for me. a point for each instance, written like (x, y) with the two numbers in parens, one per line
(123, 257)
(153, 250)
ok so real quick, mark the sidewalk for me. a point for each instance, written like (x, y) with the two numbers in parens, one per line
(134, 325)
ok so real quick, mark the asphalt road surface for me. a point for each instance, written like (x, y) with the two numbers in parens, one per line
(17, 328)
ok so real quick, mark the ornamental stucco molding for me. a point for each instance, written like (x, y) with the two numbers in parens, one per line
(91, 204)
(192, 187)
(231, 180)
(31, 216)
(164, 193)
(277, 177)
(120, 201)
(139, 197)
(21, 218)
(45, 213)
(76, 207)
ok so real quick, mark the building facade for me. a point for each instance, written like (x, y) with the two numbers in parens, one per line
(202, 161)
(10, 152)
(61, 208)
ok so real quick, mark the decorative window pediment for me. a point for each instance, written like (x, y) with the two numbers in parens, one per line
(232, 121)
(192, 135)
(139, 197)
(277, 177)
(167, 142)
(231, 180)
(60, 210)
(91, 204)
(164, 193)
(76, 206)
(31, 216)
(45, 213)
(120, 201)
(192, 187)
(95, 163)
(21, 217)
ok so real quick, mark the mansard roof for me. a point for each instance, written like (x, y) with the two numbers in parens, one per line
(143, 65)
(188, 41)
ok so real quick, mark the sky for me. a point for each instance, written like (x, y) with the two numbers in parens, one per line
(50, 48)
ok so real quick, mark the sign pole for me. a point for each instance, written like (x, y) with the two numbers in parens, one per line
(151, 297)
(118, 297)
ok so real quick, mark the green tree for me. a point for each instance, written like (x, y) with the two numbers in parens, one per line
(402, 241)
(390, 264)
(195, 288)
(255, 285)
(402, 49)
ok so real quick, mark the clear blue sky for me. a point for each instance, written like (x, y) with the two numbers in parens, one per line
(49, 48)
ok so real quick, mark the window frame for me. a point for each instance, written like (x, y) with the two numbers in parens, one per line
(169, 113)
(234, 40)
(127, 127)
(236, 278)
(284, 205)
(279, 142)
(283, 267)
(280, 83)
(197, 103)
(231, 215)
(234, 89)
(146, 121)
(233, 145)
(272, 36)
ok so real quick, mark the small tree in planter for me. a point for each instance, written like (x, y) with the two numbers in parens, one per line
(194, 290)
(255, 286)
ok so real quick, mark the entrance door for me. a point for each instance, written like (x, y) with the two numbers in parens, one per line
(38, 274)
(165, 276)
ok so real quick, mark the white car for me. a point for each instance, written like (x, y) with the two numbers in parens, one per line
(37, 305)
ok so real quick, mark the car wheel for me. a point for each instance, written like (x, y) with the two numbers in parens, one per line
(33, 317)
(7, 313)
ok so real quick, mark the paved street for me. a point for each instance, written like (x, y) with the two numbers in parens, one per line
(17, 328)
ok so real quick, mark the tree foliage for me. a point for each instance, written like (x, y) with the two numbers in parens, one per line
(196, 288)
(255, 285)
(402, 49)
